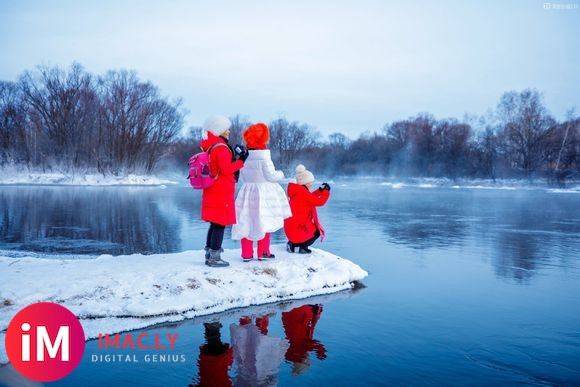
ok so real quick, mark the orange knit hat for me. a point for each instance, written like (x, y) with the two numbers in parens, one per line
(256, 136)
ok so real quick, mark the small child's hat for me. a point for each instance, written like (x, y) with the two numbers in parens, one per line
(303, 176)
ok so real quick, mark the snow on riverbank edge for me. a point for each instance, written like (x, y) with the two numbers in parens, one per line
(478, 184)
(15, 176)
(10, 177)
(113, 294)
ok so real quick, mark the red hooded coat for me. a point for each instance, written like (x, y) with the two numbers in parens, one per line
(217, 201)
(302, 225)
(299, 324)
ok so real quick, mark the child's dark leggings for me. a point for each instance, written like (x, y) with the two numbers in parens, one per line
(215, 236)
(309, 242)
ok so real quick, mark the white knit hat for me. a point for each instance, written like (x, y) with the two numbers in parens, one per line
(303, 176)
(216, 125)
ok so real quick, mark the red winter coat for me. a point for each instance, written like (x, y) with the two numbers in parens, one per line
(302, 225)
(218, 202)
(213, 369)
(299, 324)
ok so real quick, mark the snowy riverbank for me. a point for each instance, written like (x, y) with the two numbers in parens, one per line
(113, 294)
(20, 177)
(14, 176)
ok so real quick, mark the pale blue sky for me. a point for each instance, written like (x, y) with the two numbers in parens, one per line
(346, 66)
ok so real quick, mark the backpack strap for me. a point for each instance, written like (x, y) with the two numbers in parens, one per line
(215, 145)
(209, 153)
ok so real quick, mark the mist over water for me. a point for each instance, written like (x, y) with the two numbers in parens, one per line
(466, 286)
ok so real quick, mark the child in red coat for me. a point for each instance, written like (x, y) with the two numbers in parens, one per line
(299, 324)
(303, 227)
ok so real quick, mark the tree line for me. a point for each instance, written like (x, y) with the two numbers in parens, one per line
(72, 120)
(115, 123)
(517, 139)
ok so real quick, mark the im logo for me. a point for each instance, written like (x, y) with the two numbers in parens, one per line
(45, 342)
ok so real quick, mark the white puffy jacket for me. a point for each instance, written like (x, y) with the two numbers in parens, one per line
(261, 205)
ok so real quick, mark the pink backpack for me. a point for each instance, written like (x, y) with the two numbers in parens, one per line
(199, 170)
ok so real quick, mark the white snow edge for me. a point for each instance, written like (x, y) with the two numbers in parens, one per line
(10, 176)
(114, 294)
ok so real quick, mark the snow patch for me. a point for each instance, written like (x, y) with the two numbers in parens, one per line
(12, 176)
(478, 184)
(575, 189)
(114, 294)
(508, 188)
(392, 185)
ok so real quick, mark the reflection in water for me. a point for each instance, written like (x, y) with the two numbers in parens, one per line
(9, 377)
(299, 324)
(215, 358)
(81, 220)
(531, 233)
(429, 231)
(520, 231)
(257, 355)
(517, 256)
(417, 220)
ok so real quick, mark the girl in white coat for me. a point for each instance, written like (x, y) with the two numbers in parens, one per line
(261, 205)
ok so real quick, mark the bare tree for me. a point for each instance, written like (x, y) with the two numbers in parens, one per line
(338, 141)
(68, 118)
(526, 124)
(451, 140)
(239, 124)
(62, 106)
(398, 134)
(14, 142)
(486, 147)
(135, 123)
(289, 139)
(562, 149)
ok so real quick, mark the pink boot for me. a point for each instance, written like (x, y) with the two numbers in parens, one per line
(262, 324)
(264, 248)
(247, 249)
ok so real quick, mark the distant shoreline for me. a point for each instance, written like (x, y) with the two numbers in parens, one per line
(12, 176)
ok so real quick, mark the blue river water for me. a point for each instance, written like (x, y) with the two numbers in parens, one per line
(465, 287)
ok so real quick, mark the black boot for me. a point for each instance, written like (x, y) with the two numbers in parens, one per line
(206, 254)
(266, 256)
(215, 259)
(290, 247)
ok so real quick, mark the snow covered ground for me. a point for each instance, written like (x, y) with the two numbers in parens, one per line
(14, 176)
(113, 294)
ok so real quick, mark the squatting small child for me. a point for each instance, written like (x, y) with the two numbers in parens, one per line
(303, 228)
